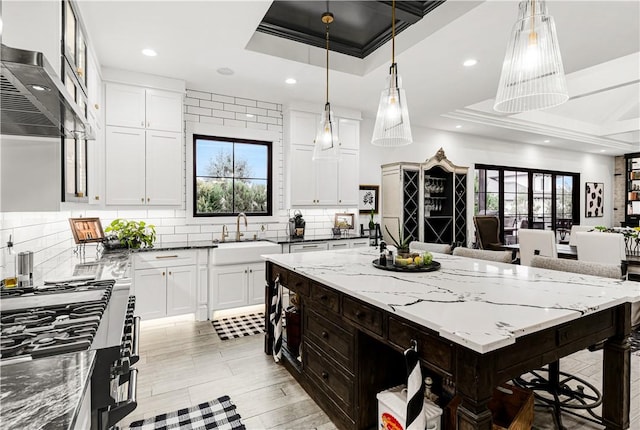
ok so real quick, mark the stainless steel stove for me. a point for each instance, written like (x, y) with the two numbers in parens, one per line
(74, 316)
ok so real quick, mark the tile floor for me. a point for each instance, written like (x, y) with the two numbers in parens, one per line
(184, 362)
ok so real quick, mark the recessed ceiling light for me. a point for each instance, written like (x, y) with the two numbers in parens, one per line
(547, 141)
(458, 126)
(225, 71)
(149, 52)
(290, 81)
(470, 62)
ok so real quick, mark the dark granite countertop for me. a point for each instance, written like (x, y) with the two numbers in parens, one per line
(194, 244)
(316, 238)
(46, 392)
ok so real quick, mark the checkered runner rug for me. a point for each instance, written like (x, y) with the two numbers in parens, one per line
(238, 326)
(216, 414)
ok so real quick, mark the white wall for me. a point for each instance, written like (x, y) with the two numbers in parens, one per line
(467, 150)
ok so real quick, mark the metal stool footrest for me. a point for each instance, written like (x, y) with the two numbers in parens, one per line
(563, 392)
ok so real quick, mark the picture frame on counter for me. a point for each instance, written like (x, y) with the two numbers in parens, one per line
(343, 221)
(86, 230)
(368, 199)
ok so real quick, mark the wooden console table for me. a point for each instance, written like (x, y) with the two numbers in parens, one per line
(477, 325)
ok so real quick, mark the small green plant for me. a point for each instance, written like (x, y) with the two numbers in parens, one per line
(372, 224)
(133, 234)
(402, 243)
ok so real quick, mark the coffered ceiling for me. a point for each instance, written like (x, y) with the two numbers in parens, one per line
(599, 42)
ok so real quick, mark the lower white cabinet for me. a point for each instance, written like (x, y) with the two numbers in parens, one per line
(330, 244)
(165, 283)
(237, 285)
(308, 247)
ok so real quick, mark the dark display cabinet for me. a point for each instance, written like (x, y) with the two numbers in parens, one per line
(429, 200)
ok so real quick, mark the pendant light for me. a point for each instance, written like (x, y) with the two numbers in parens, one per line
(532, 74)
(326, 145)
(392, 126)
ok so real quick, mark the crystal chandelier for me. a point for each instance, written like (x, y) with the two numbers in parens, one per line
(392, 126)
(326, 145)
(532, 74)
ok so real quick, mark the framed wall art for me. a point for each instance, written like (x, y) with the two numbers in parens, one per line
(368, 199)
(86, 230)
(594, 199)
(343, 221)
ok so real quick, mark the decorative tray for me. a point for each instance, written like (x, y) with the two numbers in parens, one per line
(410, 268)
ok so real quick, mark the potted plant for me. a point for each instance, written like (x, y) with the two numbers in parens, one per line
(130, 234)
(402, 243)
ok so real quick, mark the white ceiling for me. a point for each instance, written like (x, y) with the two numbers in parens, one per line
(599, 42)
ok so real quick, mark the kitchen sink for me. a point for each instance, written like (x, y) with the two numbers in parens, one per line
(242, 252)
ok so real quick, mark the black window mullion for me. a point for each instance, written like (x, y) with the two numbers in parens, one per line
(501, 203)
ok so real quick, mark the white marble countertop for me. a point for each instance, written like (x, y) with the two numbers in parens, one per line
(478, 304)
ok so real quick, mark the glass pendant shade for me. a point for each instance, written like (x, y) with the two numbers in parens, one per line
(392, 126)
(532, 73)
(326, 145)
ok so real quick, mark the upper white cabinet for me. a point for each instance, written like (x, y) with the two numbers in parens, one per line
(144, 167)
(322, 183)
(137, 107)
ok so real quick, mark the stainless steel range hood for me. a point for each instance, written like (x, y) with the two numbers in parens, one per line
(33, 100)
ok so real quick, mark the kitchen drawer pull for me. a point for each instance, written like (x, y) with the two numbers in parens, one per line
(166, 256)
(122, 132)
(325, 334)
(325, 375)
(335, 245)
(135, 352)
(309, 246)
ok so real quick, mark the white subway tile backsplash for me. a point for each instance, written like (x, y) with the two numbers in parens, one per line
(257, 111)
(246, 102)
(234, 108)
(198, 95)
(132, 214)
(246, 117)
(200, 236)
(266, 105)
(188, 101)
(162, 230)
(257, 125)
(198, 110)
(211, 105)
(224, 114)
(168, 238)
(221, 98)
(274, 113)
(267, 120)
(188, 229)
(191, 117)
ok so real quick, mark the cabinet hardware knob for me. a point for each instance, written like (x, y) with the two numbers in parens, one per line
(325, 334)
(323, 297)
(79, 71)
(339, 201)
(148, 199)
(97, 198)
(97, 106)
(142, 200)
(142, 123)
(250, 270)
(169, 273)
(359, 314)
(162, 273)
(245, 271)
(325, 375)
(148, 123)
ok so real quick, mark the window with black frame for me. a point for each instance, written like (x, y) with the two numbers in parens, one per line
(527, 198)
(231, 176)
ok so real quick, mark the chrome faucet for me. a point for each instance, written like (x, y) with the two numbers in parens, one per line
(238, 234)
(225, 232)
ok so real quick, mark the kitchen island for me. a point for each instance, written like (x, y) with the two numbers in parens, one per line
(477, 324)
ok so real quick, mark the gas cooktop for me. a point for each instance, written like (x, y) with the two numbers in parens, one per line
(52, 319)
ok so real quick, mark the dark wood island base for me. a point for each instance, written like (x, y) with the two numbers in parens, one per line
(351, 350)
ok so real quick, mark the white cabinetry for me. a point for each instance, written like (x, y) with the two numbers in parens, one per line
(143, 167)
(322, 183)
(137, 107)
(329, 244)
(237, 285)
(165, 283)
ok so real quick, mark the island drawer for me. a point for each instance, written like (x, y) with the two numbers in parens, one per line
(298, 284)
(326, 297)
(329, 378)
(363, 315)
(334, 341)
(275, 271)
(437, 353)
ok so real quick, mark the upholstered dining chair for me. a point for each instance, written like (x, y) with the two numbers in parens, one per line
(536, 242)
(575, 229)
(488, 232)
(442, 248)
(600, 247)
(483, 254)
(573, 266)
